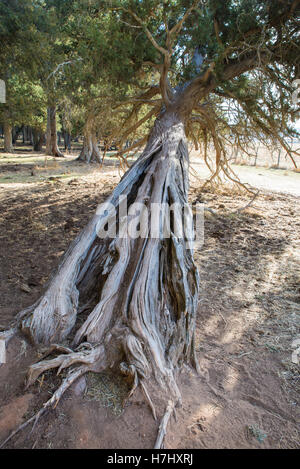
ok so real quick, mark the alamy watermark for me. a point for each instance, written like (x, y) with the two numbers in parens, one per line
(183, 223)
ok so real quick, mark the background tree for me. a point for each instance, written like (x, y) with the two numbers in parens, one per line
(19, 41)
(55, 57)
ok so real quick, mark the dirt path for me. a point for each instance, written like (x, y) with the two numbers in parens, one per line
(271, 180)
(248, 319)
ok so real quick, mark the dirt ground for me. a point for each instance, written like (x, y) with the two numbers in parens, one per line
(247, 323)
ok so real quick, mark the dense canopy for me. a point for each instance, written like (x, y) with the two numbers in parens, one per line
(234, 63)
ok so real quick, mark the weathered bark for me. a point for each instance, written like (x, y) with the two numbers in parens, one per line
(90, 152)
(137, 295)
(8, 146)
(51, 145)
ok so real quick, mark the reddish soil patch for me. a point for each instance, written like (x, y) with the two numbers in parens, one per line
(12, 413)
(248, 318)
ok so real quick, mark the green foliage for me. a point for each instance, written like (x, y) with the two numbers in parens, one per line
(88, 56)
(26, 103)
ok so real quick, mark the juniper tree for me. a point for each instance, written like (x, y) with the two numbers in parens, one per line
(130, 302)
(32, 47)
(19, 41)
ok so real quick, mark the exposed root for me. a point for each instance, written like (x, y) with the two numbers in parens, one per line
(52, 402)
(163, 425)
(87, 357)
(239, 210)
(56, 348)
(148, 398)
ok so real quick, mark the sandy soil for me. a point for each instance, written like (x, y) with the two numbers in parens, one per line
(262, 178)
(248, 319)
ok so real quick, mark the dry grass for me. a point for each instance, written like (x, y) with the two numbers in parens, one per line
(109, 389)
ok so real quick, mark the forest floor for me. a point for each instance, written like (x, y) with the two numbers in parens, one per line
(247, 323)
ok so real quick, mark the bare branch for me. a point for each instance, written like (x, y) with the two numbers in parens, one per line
(161, 49)
(177, 28)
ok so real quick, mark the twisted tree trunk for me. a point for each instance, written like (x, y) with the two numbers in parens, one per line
(137, 294)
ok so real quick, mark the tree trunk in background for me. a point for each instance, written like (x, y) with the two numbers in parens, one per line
(30, 136)
(38, 140)
(278, 157)
(90, 152)
(256, 155)
(15, 133)
(26, 134)
(8, 146)
(48, 133)
(52, 147)
(67, 140)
